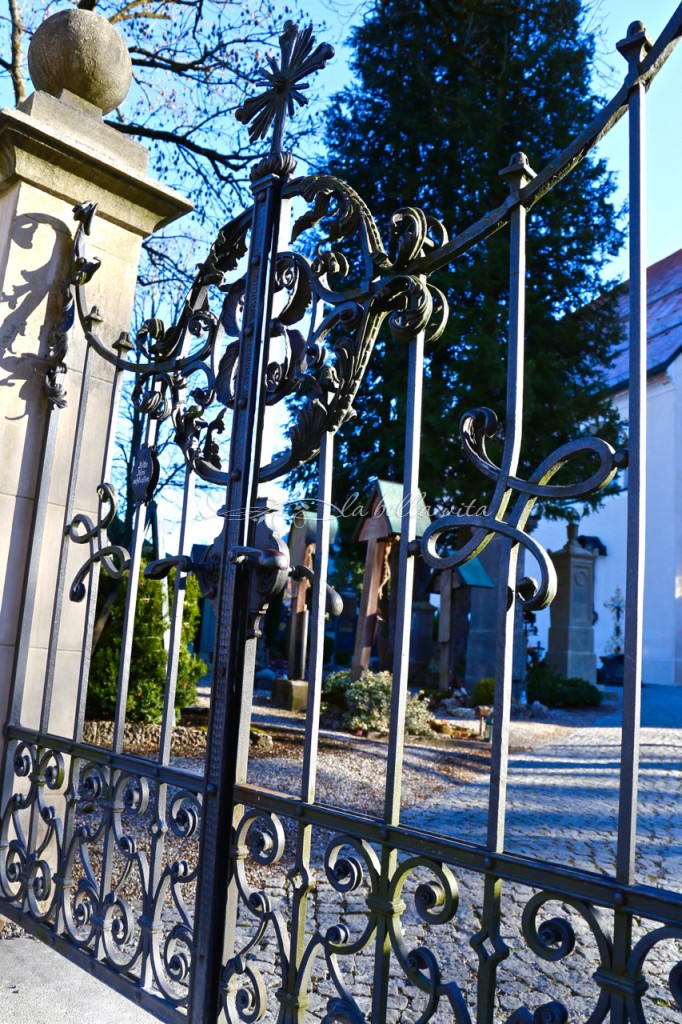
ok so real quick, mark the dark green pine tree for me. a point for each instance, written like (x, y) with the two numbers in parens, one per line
(445, 92)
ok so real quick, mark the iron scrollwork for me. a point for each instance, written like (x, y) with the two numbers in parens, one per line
(642, 949)
(81, 270)
(554, 939)
(184, 370)
(326, 365)
(113, 557)
(325, 320)
(31, 833)
(99, 882)
(475, 428)
(351, 865)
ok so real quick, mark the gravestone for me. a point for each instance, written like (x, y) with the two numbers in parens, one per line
(292, 692)
(482, 639)
(380, 530)
(455, 588)
(345, 626)
(570, 643)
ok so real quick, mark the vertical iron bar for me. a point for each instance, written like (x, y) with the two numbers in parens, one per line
(636, 515)
(636, 497)
(65, 881)
(53, 643)
(91, 598)
(22, 650)
(139, 531)
(632, 48)
(405, 582)
(317, 618)
(401, 656)
(109, 842)
(508, 555)
(60, 586)
(297, 1002)
(168, 719)
(33, 565)
(158, 842)
(517, 174)
(227, 742)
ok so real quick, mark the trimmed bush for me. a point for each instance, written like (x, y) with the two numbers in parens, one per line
(366, 703)
(484, 692)
(148, 660)
(546, 684)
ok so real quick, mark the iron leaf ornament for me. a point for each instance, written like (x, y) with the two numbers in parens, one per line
(80, 271)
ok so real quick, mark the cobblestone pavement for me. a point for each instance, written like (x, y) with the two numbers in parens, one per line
(562, 807)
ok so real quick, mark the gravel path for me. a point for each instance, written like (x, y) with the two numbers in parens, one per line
(562, 807)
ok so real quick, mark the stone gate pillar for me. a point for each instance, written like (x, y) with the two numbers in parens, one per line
(56, 152)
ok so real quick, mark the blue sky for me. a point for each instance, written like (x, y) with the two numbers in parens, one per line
(664, 223)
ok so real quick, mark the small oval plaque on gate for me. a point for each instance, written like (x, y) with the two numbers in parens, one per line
(145, 475)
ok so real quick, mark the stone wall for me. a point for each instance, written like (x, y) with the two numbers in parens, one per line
(140, 737)
(56, 153)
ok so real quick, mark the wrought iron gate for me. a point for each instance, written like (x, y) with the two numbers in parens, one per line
(81, 823)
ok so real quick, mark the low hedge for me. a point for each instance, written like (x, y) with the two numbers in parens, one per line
(547, 685)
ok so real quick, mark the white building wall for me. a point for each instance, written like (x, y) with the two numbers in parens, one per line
(662, 648)
(674, 470)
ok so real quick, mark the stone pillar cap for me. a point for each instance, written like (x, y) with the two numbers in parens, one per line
(80, 51)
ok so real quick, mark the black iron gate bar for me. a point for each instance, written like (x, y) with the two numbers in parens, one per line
(89, 920)
(633, 48)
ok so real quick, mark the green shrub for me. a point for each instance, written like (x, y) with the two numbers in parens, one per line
(484, 692)
(335, 688)
(148, 658)
(546, 684)
(366, 703)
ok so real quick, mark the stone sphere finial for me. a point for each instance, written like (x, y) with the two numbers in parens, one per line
(80, 51)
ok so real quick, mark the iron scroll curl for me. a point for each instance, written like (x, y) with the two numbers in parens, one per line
(114, 558)
(475, 428)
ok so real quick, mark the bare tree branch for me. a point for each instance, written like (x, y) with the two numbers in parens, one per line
(218, 160)
(15, 68)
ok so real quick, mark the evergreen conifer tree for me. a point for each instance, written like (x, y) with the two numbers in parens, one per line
(147, 679)
(445, 92)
